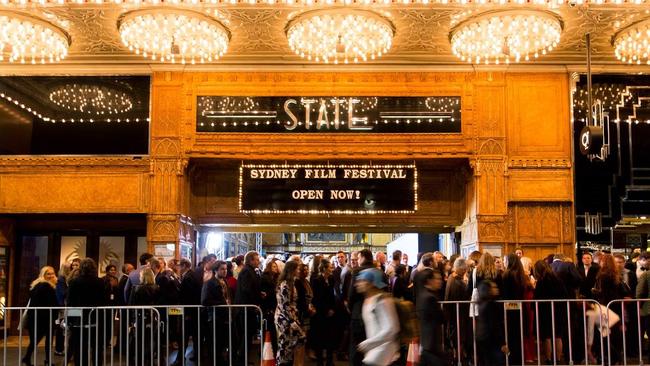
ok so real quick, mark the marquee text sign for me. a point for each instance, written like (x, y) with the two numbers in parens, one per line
(323, 189)
(440, 114)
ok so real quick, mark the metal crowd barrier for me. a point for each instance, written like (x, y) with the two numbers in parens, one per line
(577, 326)
(629, 332)
(132, 335)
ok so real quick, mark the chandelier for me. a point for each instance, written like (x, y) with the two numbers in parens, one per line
(506, 36)
(29, 39)
(632, 44)
(91, 99)
(173, 35)
(337, 35)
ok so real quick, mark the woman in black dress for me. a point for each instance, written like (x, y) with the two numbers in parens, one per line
(323, 333)
(40, 323)
(552, 318)
(269, 302)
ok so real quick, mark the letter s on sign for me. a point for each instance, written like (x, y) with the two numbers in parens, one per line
(294, 119)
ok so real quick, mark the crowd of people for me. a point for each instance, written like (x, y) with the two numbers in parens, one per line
(355, 307)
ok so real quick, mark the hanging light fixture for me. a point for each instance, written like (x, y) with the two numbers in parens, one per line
(632, 44)
(91, 99)
(174, 35)
(25, 38)
(340, 35)
(506, 36)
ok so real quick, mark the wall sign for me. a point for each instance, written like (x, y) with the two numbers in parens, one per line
(327, 189)
(440, 114)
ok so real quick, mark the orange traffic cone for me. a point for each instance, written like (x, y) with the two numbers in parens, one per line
(413, 355)
(268, 358)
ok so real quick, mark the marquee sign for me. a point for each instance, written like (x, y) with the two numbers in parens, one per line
(328, 189)
(439, 114)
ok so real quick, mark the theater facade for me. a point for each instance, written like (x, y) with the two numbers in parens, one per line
(409, 139)
(500, 173)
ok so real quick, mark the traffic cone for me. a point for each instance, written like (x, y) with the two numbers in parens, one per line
(413, 355)
(268, 358)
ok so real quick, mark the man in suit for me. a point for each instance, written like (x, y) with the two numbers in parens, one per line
(249, 292)
(567, 273)
(189, 294)
(588, 271)
(431, 319)
(341, 276)
(134, 276)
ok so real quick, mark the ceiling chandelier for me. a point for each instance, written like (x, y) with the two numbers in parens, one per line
(91, 99)
(632, 44)
(340, 35)
(28, 39)
(506, 36)
(174, 35)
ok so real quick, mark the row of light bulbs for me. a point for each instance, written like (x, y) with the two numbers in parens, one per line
(336, 35)
(327, 2)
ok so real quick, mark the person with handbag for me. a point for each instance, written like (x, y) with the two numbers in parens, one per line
(42, 294)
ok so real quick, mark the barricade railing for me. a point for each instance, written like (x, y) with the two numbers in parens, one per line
(81, 335)
(132, 335)
(628, 329)
(542, 324)
(226, 334)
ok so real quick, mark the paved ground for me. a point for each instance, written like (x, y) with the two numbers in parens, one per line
(10, 356)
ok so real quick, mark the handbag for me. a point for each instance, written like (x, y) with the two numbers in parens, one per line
(473, 307)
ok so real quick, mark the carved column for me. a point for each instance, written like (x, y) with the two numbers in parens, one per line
(485, 219)
(485, 223)
(168, 221)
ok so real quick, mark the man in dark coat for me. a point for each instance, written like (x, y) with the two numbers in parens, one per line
(341, 276)
(190, 295)
(355, 303)
(588, 272)
(86, 290)
(431, 319)
(567, 273)
(249, 285)
(134, 276)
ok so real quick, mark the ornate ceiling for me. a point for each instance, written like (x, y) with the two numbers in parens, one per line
(258, 38)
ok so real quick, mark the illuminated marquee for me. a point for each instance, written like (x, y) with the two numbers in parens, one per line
(329, 114)
(328, 189)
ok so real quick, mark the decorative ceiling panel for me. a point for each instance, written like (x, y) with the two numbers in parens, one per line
(422, 32)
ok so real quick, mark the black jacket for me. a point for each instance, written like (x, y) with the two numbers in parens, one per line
(589, 280)
(249, 287)
(144, 295)
(569, 275)
(190, 291)
(86, 291)
(42, 295)
(355, 299)
(431, 321)
(169, 289)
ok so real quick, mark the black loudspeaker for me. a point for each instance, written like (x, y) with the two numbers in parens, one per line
(591, 140)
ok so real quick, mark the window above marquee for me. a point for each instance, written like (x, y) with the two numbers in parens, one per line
(78, 115)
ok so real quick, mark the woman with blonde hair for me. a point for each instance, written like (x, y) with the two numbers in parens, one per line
(42, 293)
(485, 270)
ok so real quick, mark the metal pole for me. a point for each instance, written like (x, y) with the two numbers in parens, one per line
(589, 100)
(568, 318)
(458, 346)
(230, 335)
(584, 326)
(638, 317)
(553, 332)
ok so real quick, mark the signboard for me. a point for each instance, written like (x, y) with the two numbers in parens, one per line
(328, 189)
(439, 114)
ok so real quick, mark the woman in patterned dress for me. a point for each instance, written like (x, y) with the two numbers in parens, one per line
(290, 334)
